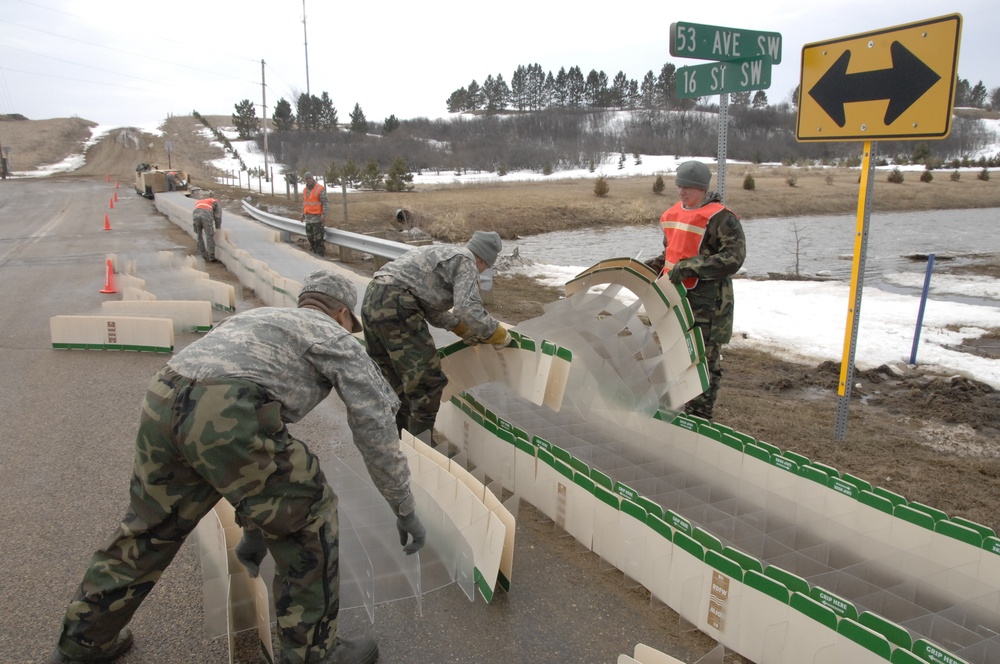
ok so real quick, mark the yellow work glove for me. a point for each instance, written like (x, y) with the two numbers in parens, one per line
(461, 329)
(500, 338)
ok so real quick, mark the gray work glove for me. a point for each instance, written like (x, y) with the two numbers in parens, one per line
(410, 526)
(251, 551)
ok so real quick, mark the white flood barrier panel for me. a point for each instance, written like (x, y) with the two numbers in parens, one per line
(780, 558)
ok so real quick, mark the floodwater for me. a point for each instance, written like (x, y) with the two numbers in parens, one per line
(821, 245)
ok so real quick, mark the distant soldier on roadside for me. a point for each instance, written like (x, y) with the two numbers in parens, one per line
(207, 217)
(314, 204)
(704, 247)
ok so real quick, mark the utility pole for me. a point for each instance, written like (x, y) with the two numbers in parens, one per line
(305, 38)
(263, 96)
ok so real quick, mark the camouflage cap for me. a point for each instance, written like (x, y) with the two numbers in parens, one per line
(486, 245)
(307, 176)
(336, 286)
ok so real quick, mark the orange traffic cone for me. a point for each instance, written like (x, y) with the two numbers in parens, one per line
(111, 204)
(109, 279)
(116, 195)
(107, 178)
(116, 184)
(107, 223)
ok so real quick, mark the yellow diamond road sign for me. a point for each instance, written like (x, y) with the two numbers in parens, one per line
(895, 83)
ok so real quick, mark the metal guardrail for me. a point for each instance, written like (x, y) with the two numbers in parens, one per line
(368, 244)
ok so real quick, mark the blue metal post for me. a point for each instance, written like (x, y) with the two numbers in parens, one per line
(920, 314)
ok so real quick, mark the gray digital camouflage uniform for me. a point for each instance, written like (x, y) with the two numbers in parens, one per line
(433, 284)
(722, 251)
(213, 426)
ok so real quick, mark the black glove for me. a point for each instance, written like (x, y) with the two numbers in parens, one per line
(410, 526)
(251, 551)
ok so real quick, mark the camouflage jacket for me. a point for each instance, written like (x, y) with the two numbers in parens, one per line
(445, 281)
(298, 356)
(720, 256)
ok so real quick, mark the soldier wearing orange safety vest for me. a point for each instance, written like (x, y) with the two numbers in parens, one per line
(207, 217)
(314, 203)
(704, 247)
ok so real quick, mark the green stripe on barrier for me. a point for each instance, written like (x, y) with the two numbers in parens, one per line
(634, 510)
(896, 635)
(745, 560)
(677, 522)
(707, 539)
(907, 513)
(829, 470)
(757, 452)
(865, 637)
(985, 531)
(731, 441)
(809, 607)
(856, 481)
(876, 501)
(724, 565)
(525, 446)
(793, 582)
(688, 544)
(992, 544)
(844, 487)
(814, 474)
(659, 526)
(935, 655)
(607, 497)
(767, 585)
(934, 513)
(796, 457)
(891, 496)
(783, 462)
(959, 532)
(602, 478)
(625, 491)
(836, 603)
(650, 506)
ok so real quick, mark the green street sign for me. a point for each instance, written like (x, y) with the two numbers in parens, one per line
(719, 78)
(713, 42)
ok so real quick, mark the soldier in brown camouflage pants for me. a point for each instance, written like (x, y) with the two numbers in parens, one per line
(213, 427)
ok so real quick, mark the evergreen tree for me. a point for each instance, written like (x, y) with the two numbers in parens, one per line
(307, 114)
(962, 92)
(575, 88)
(519, 88)
(995, 99)
(977, 96)
(560, 91)
(648, 90)
(350, 174)
(475, 97)
(359, 125)
(326, 113)
(618, 93)
(458, 101)
(245, 119)
(372, 176)
(666, 83)
(390, 125)
(759, 99)
(399, 178)
(740, 99)
(283, 118)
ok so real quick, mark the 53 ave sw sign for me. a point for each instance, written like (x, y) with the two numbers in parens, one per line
(894, 83)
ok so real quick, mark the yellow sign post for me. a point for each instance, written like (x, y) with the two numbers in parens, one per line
(896, 83)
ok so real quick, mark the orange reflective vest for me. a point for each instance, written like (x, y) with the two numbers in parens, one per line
(205, 204)
(684, 230)
(310, 199)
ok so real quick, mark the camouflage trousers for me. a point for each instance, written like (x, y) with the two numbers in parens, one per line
(200, 441)
(315, 229)
(400, 343)
(713, 315)
(205, 224)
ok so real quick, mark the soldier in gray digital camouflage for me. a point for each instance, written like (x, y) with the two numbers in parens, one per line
(704, 247)
(212, 427)
(436, 285)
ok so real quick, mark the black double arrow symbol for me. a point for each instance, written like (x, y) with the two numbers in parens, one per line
(902, 84)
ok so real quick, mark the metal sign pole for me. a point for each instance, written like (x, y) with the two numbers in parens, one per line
(723, 144)
(857, 285)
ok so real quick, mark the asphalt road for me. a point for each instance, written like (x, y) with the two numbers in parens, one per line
(69, 420)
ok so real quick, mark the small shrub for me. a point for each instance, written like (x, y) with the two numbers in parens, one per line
(749, 183)
(659, 185)
(829, 178)
(984, 175)
(955, 176)
(601, 187)
(792, 180)
(895, 176)
(926, 176)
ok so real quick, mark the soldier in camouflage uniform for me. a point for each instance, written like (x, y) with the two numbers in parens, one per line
(206, 219)
(704, 247)
(213, 427)
(314, 204)
(435, 284)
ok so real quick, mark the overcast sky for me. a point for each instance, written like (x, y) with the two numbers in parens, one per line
(136, 63)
